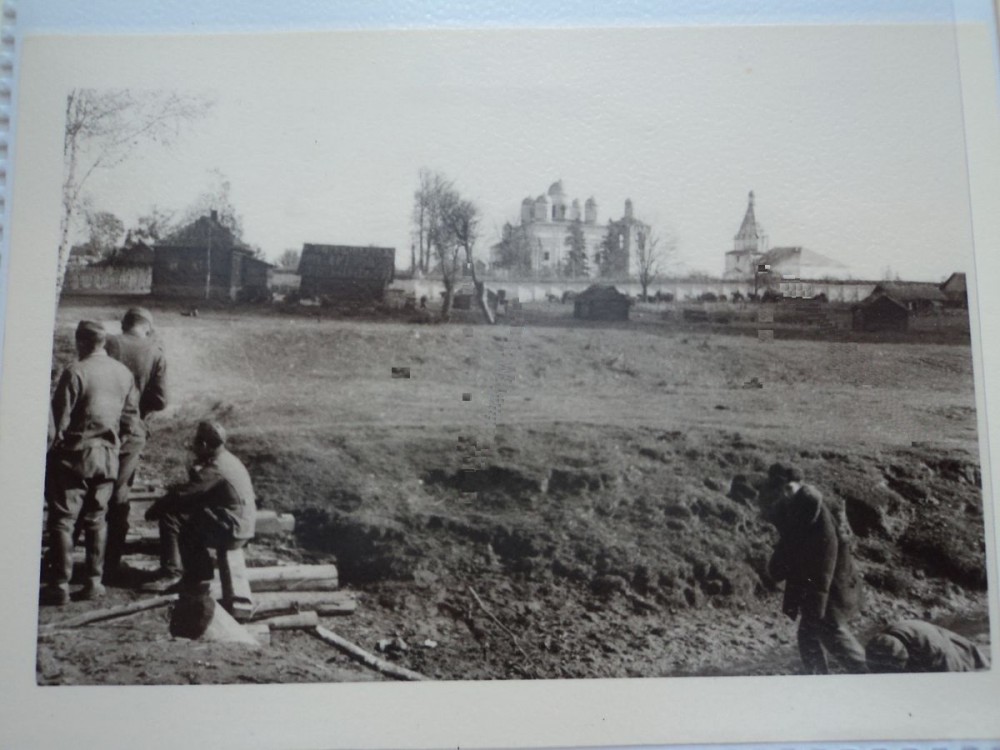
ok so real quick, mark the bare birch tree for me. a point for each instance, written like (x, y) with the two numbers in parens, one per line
(103, 129)
(447, 229)
(653, 254)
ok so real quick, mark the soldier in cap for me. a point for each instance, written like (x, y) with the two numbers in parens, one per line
(215, 509)
(822, 586)
(95, 405)
(916, 646)
(142, 354)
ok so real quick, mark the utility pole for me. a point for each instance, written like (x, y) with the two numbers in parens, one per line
(208, 257)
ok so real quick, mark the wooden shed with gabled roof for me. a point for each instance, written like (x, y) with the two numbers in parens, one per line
(880, 312)
(601, 302)
(346, 272)
(915, 296)
(955, 290)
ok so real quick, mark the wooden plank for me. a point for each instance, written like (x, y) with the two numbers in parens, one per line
(108, 614)
(293, 577)
(292, 622)
(326, 604)
(364, 657)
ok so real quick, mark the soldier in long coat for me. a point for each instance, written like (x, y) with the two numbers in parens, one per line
(822, 586)
(142, 354)
(94, 405)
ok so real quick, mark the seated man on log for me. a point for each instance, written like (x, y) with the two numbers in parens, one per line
(214, 510)
(916, 646)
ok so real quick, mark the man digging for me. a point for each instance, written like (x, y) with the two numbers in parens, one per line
(822, 586)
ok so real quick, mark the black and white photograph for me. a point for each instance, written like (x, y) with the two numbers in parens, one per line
(512, 355)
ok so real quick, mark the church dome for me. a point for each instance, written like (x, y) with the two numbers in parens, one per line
(542, 199)
(556, 189)
(527, 201)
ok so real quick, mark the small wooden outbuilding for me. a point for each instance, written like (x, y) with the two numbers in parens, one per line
(880, 312)
(600, 302)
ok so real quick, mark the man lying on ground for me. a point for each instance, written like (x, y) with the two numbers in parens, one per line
(917, 646)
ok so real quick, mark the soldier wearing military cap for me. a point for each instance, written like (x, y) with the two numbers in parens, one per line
(215, 509)
(142, 354)
(95, 405)
(813, 557)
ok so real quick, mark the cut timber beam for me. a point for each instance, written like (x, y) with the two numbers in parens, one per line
(325, 603)
(293, 577)
(292, 622)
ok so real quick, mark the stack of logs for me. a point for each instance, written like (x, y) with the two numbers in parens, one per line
(284, 597)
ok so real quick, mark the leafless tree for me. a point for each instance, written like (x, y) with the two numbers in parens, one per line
(103, 129)
(653, 254)
(289, 259)
(447, 228)
(426, 202)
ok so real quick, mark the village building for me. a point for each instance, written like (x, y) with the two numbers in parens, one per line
(346, 272)
(601, 302)
(915, 296)
(204, 260)
(955, 291)
(880, 312)
(128, 271)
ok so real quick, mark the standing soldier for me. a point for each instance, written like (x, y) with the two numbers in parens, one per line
(94, 404)
(143, 355)
(822, 587)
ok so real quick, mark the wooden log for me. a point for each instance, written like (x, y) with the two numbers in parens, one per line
(293, 578)
(324, 603)
(291, 622)
(364, 657)
(108, 614)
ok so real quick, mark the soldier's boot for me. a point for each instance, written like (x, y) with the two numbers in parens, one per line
(92, 589)
(60, 567)
(114, 549)
(97, 539)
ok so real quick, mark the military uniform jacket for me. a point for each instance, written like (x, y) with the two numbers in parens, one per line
(813, 557)
(144, 357)
(934, 649)
(222, 485)
(95, 403)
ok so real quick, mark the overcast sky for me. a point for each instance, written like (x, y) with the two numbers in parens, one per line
(851, 137)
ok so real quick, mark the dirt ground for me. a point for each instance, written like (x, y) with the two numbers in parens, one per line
(550, 501)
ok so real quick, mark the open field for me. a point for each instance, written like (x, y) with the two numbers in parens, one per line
(596, 525)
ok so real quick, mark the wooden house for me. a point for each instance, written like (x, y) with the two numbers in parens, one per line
(346, 272)
(599, 302)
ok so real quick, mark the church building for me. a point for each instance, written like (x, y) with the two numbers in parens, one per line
(751, 254)
(548, 221)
